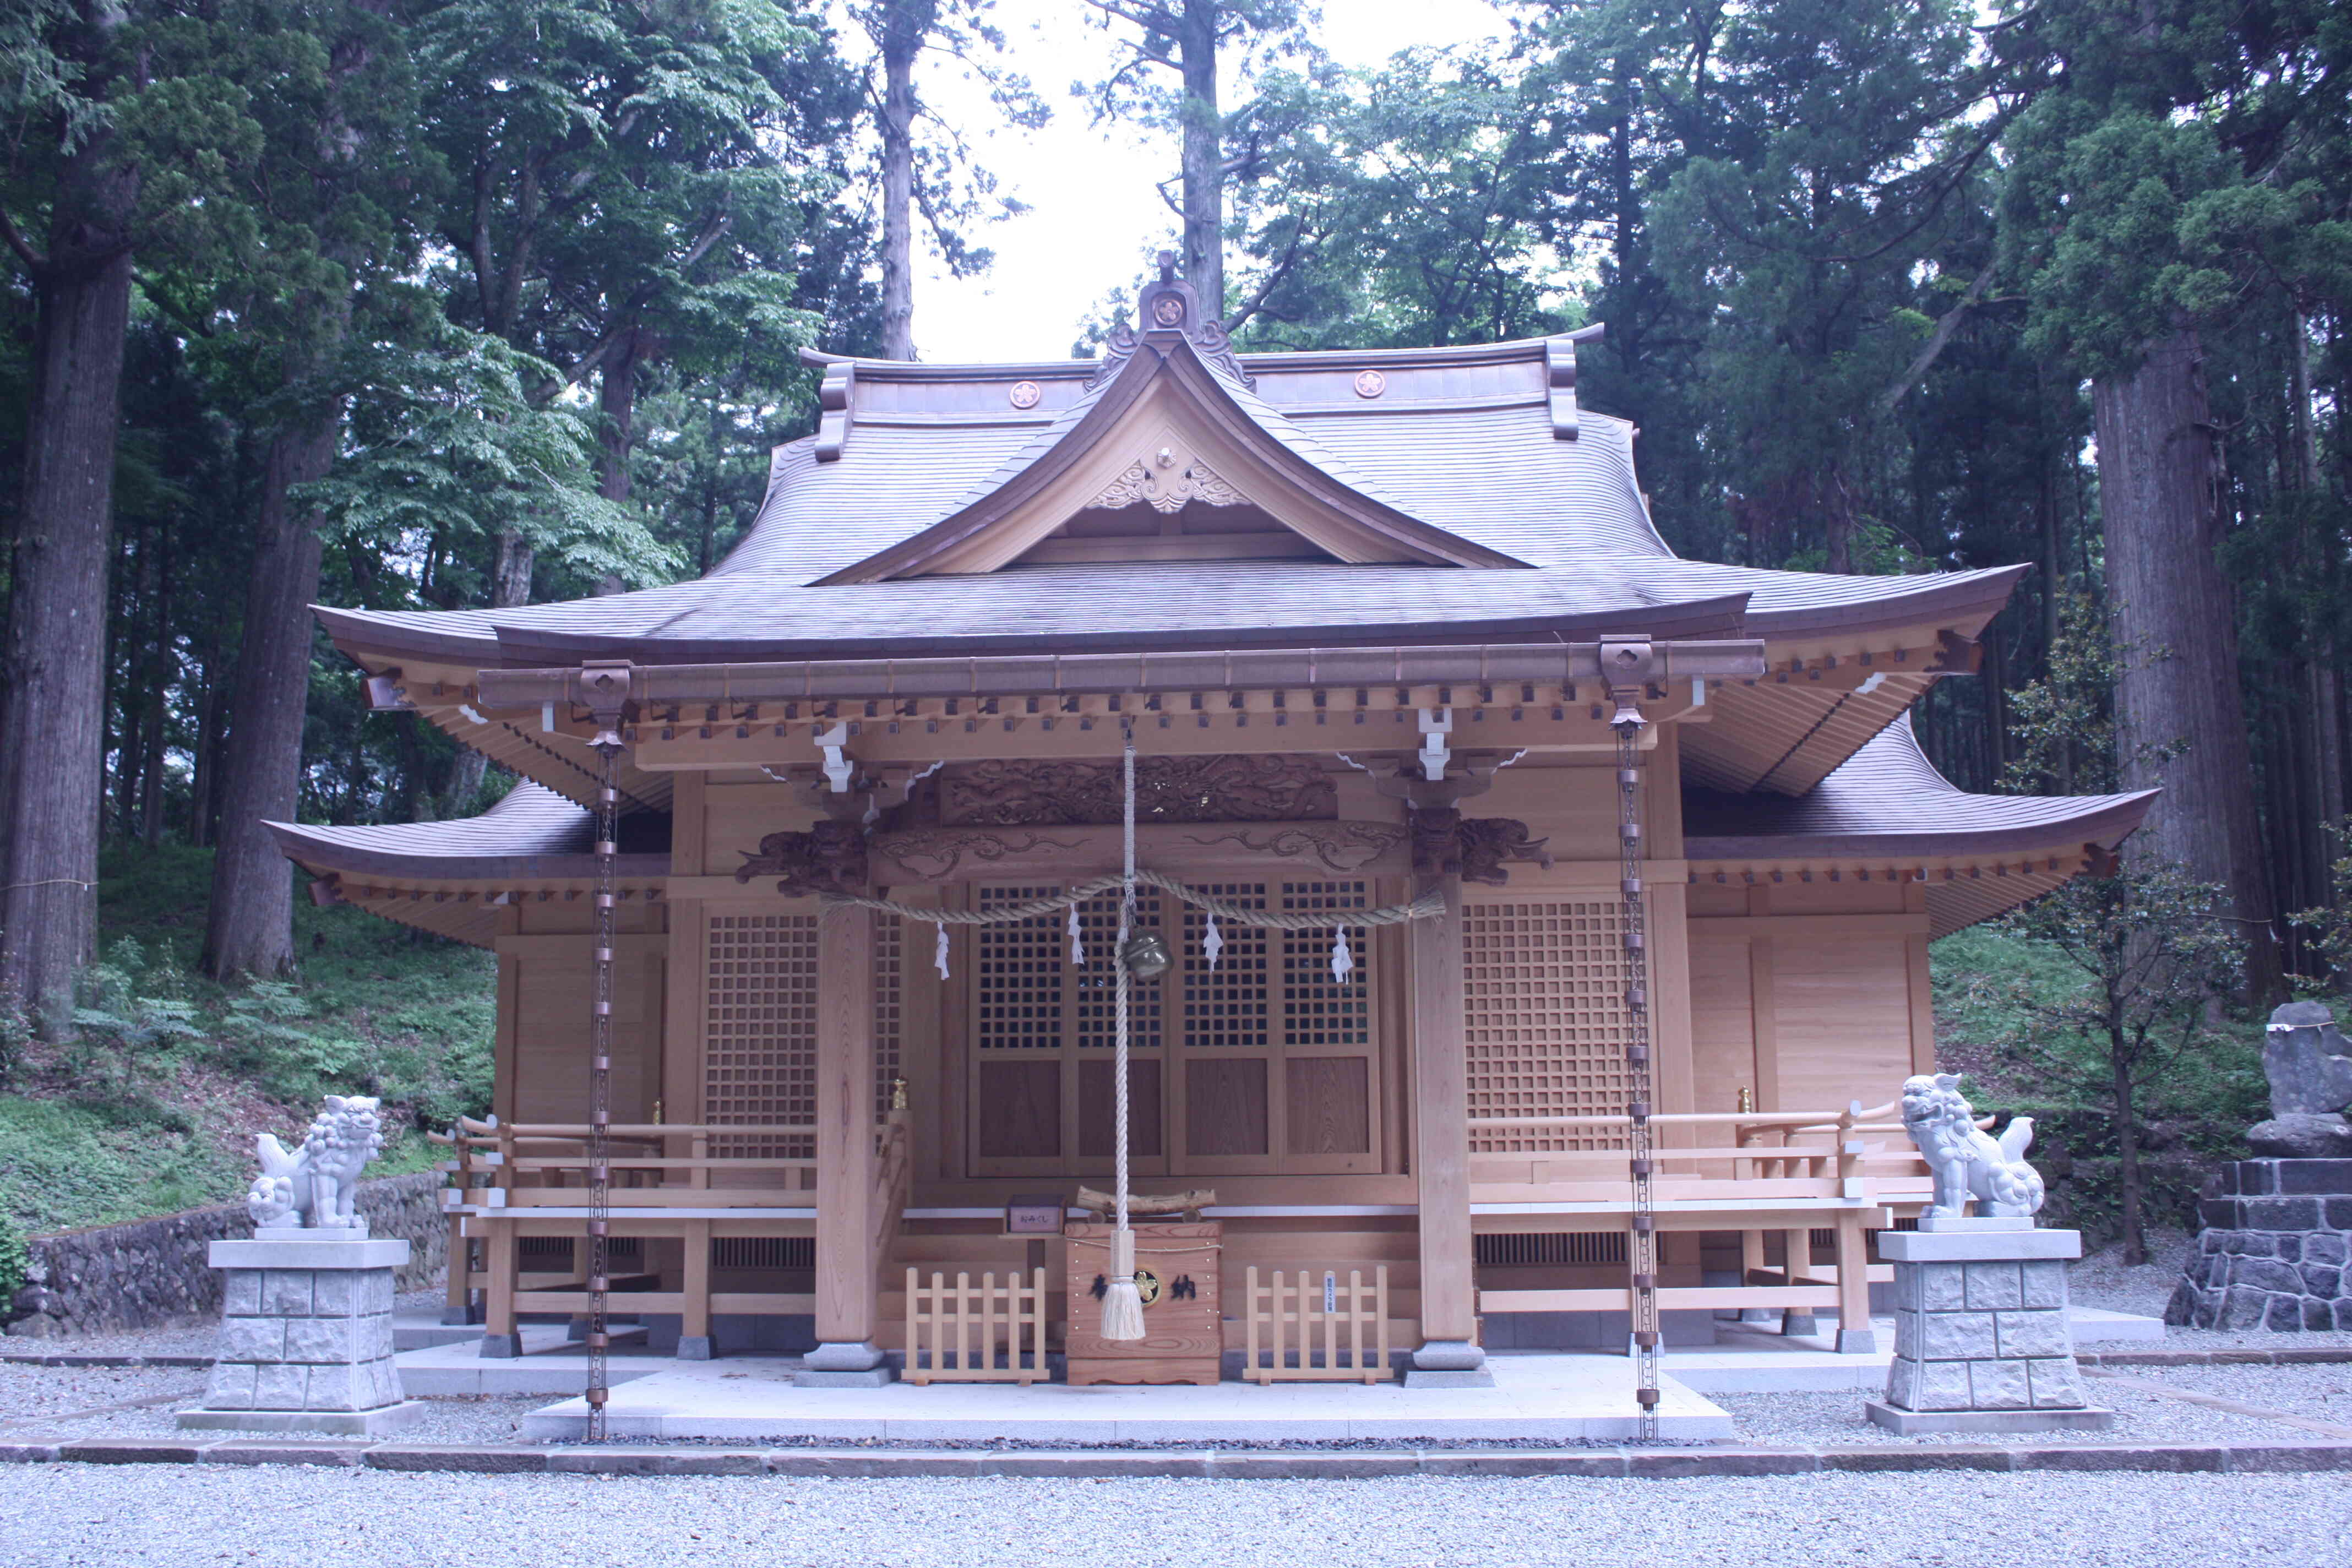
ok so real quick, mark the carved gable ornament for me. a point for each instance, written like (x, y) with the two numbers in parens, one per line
(1020, 794)
(1166, 482)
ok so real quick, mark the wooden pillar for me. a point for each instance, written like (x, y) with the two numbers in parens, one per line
(1796, 1252)
(1854, 1334)
(845, 1262)
(1440, 1148)
(695, 1342)
(499, 1336)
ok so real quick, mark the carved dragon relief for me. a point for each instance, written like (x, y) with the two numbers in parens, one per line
(932, 854)
(1023, 794)
(830, 858)
(1475, 848)
(1342, 846)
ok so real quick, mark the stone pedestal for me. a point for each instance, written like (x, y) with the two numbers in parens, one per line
(306, 1336)
(860, 1365)
(1981, 1341)
(2277, 1249)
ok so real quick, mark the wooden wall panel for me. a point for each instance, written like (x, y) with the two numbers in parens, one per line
(1225, 1105)
(1327, 1105)
(1097, 1118)
(1843, 1017)
(1020, 1109)
(550, 1034)
(1722, 1023)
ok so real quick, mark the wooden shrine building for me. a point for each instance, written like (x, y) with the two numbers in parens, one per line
(1369, 617)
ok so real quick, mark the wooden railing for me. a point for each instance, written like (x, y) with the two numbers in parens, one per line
(651, 1164)
(1777, 1159)
(1284, 1317)
(1789, 1172)
(956, 1333)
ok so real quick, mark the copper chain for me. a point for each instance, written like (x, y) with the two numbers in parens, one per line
(1640, 1147)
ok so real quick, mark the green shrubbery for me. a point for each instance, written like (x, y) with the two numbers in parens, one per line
(149, 1109)
(1995, 989)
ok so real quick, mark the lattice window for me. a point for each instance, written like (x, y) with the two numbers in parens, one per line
(889, 963)
(1545, 1019)
(1318, 1009)
(1020, 968)
(1095, 986)
(1227, 1006)
(759, 1061)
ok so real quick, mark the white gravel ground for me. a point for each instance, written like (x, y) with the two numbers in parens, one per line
(55, 1515)
(1807, 1420)
(2322, 1392)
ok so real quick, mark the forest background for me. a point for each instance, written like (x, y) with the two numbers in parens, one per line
(447, 304)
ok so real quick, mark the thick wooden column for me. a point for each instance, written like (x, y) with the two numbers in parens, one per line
(846, 1220)
(1441, 1150)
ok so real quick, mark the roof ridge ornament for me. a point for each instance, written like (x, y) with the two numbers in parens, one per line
(1169, 310)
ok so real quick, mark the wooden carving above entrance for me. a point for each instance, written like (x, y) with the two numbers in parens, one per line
(830, 858)
(1024, 794)
(1473, 848)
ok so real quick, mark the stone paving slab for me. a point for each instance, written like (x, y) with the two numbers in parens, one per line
(1549, 1398)
(1660, 1463)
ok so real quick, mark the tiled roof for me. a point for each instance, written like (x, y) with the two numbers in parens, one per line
(1888, 800)
(1461, 442)
(533, 832)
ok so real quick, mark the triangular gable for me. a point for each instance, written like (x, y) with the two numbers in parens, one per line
(1165, 426)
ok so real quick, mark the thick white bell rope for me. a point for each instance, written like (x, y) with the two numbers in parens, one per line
(1122, 1309)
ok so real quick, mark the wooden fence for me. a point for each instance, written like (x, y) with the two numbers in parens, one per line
(1284, 1317)
(955, 1333)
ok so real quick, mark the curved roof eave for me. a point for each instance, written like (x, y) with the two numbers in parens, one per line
(2103, 820)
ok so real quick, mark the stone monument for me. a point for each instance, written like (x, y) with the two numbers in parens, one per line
(1982, 1338)
(306, 1329)
(2278, 1228)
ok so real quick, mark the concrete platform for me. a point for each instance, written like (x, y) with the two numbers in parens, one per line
(1913, 1422)
(423, 1330)
(376, 1422)
(551, 1362)
(1556, 1398)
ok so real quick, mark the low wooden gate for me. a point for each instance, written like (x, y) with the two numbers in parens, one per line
(955, 1333)
(1285, 1319)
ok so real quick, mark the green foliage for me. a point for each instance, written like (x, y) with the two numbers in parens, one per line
(153, 1111)
(2005, 999)
(15, 1258)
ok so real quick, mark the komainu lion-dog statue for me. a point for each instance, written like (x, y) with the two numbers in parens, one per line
(314, 1186)
(1965, 1161)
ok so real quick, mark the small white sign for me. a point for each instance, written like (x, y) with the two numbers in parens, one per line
(1330, 1293)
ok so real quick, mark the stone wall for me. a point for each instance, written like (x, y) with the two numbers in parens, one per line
(152, 1274)
(2277, 1249)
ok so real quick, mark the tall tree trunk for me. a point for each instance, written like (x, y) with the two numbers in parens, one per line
(616, 432)
(250, 929)
(904, 23)
(53, 746)
(2180, 719)
(2127, 1178)
(159, 680)
(510, 586)
(1203, 136)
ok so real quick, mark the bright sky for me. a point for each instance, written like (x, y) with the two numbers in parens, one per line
(1095, 217)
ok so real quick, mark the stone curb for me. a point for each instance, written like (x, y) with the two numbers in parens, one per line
(2318, 1355)
(1660, 1463)
(67, 1358)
